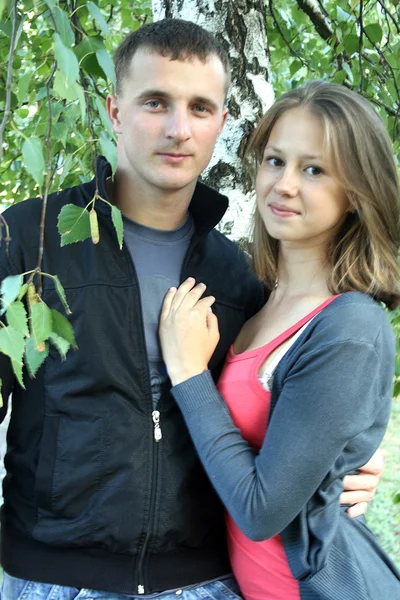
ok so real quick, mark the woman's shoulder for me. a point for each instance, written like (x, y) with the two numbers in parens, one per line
(354, 316)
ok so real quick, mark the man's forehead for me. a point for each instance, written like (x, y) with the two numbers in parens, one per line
(152, 70)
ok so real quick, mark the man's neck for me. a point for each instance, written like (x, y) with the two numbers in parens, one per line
(154, 208)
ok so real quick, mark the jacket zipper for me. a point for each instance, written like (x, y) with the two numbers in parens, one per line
(157, 437)
(157, 433)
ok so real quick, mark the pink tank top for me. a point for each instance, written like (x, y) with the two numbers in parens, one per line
(261, 568)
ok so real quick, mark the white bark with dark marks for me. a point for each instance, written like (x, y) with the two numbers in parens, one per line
(240, 26)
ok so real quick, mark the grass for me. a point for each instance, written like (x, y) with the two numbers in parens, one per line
(384, 516)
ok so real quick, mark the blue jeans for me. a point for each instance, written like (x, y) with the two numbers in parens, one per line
(19, 589)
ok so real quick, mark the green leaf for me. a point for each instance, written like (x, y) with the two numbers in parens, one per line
(17, 368)
(23, 291)
(61, 345)
(41, 323)
(374, 31)
(98, 17)
(342, 15)
(106, 64)
(339, 77)
(104, 116)
(60, 131)
(73, 224)
(12, 343)
(23, 86)
(348, 71)
(63, 328)
(109, 150)
(396, 498)
(10, 288)
(66, 168)
(116, 216)
(17, 317)
(351, 43)
(295, 66)
(67, 61)
(63, 25)
(73, 91)
(32, 154)
(33, 357)
(61, 294)
(86, 53)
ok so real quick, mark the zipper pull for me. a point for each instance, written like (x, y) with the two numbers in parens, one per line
(140, 589)
(155, 415)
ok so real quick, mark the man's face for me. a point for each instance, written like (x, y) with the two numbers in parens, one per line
(168, 117)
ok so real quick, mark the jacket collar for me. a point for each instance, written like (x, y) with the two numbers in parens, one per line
(207, 205)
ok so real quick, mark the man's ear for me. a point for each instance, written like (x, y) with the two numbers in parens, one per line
(225, 113)
(113, 112)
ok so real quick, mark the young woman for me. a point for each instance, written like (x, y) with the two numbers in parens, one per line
(308, 382)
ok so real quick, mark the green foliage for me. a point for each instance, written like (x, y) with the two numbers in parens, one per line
(353, 43)
(60, 73)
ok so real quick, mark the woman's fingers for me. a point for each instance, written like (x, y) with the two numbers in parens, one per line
(166, 306)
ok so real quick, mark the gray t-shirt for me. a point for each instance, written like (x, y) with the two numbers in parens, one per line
(158, 256)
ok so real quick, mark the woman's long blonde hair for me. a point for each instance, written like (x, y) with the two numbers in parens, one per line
(364, 254)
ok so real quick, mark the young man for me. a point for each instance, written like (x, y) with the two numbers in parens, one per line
(104, 490)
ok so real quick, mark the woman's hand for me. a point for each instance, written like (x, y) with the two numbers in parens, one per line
(188, 331)
(360, 489)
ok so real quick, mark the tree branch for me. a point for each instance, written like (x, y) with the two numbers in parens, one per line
(317, 18)
(276, 23)
(390, 16)
(361, 45)
(49, 177)
(7, 111)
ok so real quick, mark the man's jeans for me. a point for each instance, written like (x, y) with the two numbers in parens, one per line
(19, 589)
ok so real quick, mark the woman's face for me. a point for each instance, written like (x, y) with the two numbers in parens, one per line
(299, 196)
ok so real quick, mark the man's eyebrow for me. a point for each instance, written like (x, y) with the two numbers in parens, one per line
(204, 100)
(153, 94)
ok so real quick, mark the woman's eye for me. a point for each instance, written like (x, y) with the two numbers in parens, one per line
(274, 161)
(314, 171)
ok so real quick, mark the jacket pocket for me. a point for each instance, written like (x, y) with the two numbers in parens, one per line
(70, 468)
(46, 462)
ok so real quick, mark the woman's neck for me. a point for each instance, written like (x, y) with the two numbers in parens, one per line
(302, 272)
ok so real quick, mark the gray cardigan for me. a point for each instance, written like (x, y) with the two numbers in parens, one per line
(330, 405)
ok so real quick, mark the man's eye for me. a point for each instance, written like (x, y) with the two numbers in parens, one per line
(201, 109)
(274, 161)
(153, 103)
(314, 171)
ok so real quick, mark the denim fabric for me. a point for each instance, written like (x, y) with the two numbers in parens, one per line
(19, 589)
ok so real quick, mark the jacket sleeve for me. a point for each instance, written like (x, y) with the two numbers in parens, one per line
(329, 396)
(6, 373)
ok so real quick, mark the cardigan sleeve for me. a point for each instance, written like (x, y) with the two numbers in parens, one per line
(329, 396)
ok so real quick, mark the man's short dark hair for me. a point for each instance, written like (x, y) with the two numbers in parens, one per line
(173, 38)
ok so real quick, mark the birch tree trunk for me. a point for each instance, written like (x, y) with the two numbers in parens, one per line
(240, 27)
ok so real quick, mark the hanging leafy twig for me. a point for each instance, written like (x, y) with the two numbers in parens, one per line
(49, 177)
(360, 47)
(7, 111)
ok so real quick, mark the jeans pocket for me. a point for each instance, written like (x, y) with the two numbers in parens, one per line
(14, 588)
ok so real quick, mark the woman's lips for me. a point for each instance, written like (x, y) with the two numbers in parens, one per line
(282, 211)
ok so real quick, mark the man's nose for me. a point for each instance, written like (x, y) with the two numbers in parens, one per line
(178, 125)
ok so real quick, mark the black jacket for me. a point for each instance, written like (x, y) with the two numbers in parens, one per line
(90, 499)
